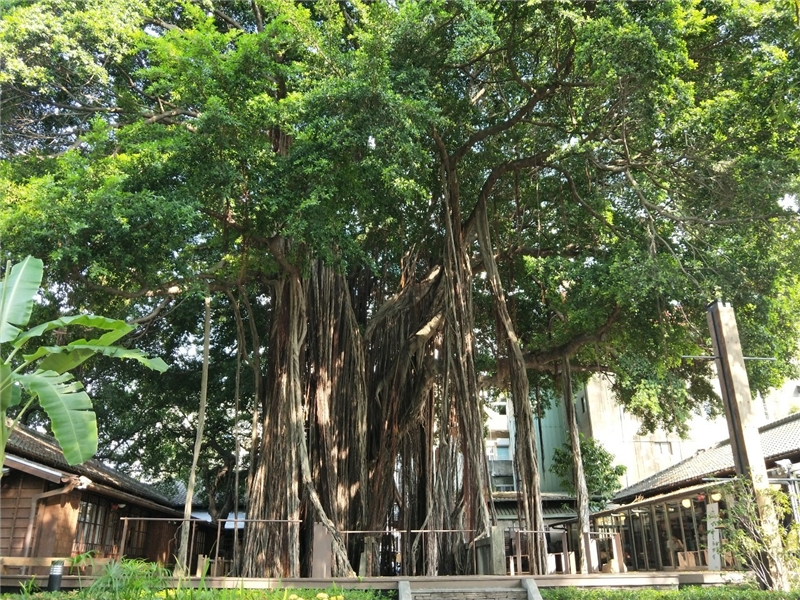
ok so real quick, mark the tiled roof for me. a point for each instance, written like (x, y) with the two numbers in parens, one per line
(779, 439)
(546, 496)
(509, 510)
(30, 444)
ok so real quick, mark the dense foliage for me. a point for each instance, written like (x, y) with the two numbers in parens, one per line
(393, 205)
(744, 535)
(602, 475)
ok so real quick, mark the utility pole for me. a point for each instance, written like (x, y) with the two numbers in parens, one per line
(748, 455)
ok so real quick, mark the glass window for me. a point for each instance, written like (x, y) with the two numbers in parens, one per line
(137, 533)
(663, 448)
(685, 546)
(689, 526)
(701, 529)
(663, 534)
(100, 528)
(648, 541)
(628, 541)
(91, 524)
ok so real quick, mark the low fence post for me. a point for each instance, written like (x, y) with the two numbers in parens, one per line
(124, 537)
(587, 550)
(618, 555)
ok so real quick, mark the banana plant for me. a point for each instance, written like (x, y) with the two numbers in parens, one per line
(43, 374)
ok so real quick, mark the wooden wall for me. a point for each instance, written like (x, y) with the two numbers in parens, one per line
(162, 544)
(16, 491)
(57, 524)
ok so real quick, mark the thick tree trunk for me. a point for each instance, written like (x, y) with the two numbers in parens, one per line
(460, 360)
(444, 548)
(448, 508)
(265, 551)
(525, 454)
(337, 403)
(283, 462)
(400, 375)
(581, 492)
(297, 336)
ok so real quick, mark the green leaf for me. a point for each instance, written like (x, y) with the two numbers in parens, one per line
(59, 359)
(64, 358)
(10, 393)
(70, 410)
(16, 296)
(115, 328)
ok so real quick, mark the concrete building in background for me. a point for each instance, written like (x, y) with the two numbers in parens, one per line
(550, 431)
(599, 416)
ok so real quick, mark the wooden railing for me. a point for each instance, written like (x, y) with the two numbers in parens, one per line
(23, 563)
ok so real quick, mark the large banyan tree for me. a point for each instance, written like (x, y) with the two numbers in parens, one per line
(400, 209)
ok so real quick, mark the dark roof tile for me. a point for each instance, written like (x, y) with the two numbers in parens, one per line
(778, 439)
(30, 444)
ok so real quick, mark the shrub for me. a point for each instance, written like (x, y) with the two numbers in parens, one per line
(744, 535)
(687, 593)
(128, 579)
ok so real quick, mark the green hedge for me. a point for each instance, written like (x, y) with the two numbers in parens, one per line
(688, 593)
(729, 592)
(209, 594)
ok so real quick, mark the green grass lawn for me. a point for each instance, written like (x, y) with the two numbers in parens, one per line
(728, 592)
(126, 593)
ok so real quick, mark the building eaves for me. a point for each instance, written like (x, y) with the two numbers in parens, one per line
(44, 449)
(779, 439)
(546, 496)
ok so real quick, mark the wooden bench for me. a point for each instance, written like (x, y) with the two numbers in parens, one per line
(90, 566)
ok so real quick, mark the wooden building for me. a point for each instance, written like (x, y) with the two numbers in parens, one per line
(51, 509)
(667, 521)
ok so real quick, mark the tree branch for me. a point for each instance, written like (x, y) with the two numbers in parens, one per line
(156, 117)
(539, 95)
(536, 360)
